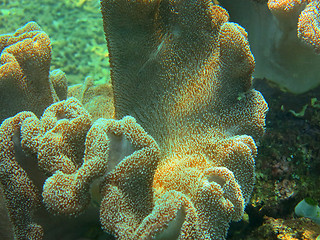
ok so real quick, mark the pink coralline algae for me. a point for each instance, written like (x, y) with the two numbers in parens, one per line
(177, 160)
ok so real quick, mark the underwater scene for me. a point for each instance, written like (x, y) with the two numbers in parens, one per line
(159, 119)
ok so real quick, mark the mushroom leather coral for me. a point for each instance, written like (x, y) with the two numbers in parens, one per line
(284, 39)
(178, 160)
(97, 99)
(308, 14)
(53, 139)
(303, 16)
(47, 166)
(184, 72)
(24, 72)
(309, 25)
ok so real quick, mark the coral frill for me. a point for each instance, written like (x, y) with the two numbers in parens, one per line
(177, 160)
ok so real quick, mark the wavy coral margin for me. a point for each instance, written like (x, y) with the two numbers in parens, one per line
(179, 161)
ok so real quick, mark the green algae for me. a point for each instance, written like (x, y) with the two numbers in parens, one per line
(75, 30)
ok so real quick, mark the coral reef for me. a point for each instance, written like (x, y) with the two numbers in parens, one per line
(24, 72)
(22, 133)
(308, 22)
(297, 229)
(185, 75)
(96, 98)
(177, 162)
(283, 36)
(287, 166)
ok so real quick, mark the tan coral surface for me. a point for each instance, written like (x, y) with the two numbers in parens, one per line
(24, 72)
(185, 75)
(178, 160)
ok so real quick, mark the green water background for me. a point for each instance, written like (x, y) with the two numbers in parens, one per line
(75, 30)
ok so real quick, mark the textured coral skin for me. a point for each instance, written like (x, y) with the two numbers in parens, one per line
(286, 6)
(127, 190)
(73, 152)
(24, 72)
(185, 75)
(178, 160)
(48, 164)
(309, 25)
(22, 196)
(20, 177)
(98, 100)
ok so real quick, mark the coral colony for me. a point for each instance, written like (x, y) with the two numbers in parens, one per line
(284, 38)
(174, 159)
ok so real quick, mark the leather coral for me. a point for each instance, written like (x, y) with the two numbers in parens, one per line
(284, 38)
(177, 162)
(25, 72)
(184, 72)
